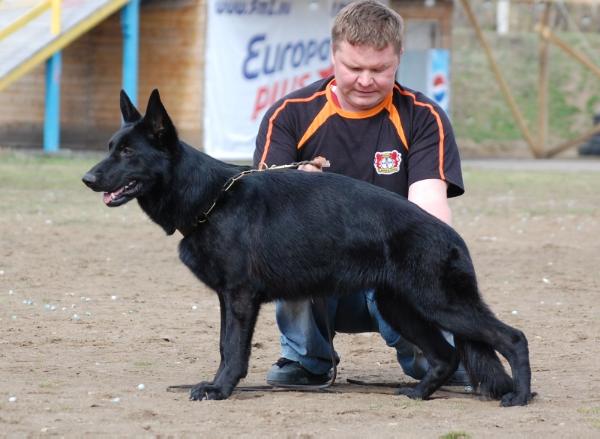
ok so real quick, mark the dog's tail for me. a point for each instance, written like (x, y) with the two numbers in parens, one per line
(486, 372)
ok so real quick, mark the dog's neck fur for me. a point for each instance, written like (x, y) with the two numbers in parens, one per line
(200, 179)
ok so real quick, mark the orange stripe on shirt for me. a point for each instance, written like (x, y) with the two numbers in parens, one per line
(274, 116)
(326, 112)
(439, 123)
(395, 118)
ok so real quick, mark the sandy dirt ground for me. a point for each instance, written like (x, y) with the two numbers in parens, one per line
(98, 317)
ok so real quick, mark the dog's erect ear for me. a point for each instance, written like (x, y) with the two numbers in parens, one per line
(158, 122)
(128, 110)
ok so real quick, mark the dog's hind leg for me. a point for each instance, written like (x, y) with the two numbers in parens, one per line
(442, 357)
(476, 323)
(239, 313)
(512, 344)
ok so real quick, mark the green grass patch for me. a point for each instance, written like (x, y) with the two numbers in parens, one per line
(456, 435)
(594, 411)
(143, 364)
(592, 415)
(479, 110)
(546, 184)
(20, 170)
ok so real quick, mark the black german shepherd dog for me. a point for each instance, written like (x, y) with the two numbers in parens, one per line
(289, 234)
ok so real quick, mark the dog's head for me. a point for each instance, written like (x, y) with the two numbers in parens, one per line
(139, 153)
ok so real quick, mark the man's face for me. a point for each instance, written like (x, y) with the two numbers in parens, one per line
(364, 75)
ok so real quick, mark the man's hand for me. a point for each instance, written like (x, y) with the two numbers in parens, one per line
(317, 164)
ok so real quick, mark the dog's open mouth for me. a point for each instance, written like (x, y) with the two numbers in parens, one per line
(123, 194)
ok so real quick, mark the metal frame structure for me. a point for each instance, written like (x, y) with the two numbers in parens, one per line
(537, 145)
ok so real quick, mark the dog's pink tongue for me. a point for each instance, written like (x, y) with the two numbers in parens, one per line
(106, 197)
(109, 196)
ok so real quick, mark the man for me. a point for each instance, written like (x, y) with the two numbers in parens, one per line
(366, 126)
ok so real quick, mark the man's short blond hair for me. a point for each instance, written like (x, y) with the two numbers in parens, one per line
(368, 23)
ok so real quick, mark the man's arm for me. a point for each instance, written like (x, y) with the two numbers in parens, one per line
(430, 195)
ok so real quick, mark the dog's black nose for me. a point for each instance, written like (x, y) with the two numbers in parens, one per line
(89, 179)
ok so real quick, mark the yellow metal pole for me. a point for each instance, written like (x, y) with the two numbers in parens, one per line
(501, 81)
(25, 18)
(55, 28)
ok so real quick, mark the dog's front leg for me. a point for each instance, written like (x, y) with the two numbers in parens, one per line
(222, 337)
(223, 310)
(238, 321)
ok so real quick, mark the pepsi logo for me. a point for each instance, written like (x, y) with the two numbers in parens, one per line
(440, 87)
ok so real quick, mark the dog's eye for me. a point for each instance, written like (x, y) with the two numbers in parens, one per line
(126, 151)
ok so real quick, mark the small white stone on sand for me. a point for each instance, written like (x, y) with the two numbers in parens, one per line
(76, 317)
(194, 307)
(545, 280)
(141, 387)
(1, 272)
(514, 312)
(115, 400)
(113, 297)
(11, 292)
(12, 399)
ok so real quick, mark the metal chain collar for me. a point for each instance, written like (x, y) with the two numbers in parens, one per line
(202, 218)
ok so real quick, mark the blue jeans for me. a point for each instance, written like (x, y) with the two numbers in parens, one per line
(304, 332)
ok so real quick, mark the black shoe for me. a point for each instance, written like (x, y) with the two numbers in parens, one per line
(460, 378)
(287, 373)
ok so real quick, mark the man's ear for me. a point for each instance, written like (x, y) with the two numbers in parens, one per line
(156, 119)
(128, 110)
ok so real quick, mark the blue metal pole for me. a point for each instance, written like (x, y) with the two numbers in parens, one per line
(130, 27)
(52, 116)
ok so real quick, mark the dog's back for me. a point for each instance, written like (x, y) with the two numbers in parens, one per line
(345, 234)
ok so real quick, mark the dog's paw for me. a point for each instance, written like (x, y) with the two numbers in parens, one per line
(513, 399)
(206, 391)
(410, 392)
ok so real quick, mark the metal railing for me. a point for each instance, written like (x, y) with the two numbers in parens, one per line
(32, 14)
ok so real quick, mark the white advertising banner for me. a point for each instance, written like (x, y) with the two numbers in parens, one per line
(256, 53)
